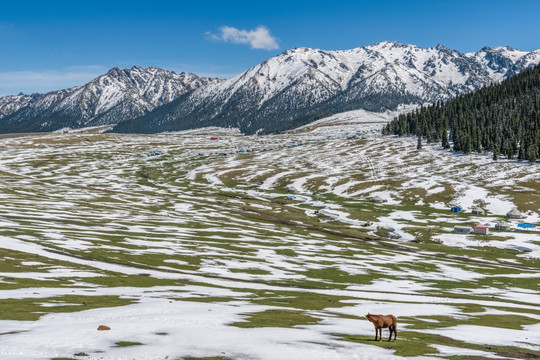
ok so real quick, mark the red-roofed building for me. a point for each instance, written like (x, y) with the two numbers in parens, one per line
(480, 229)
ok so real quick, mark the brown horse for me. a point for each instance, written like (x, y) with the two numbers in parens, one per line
(383, 321)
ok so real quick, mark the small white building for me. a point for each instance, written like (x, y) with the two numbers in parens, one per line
(377, 199)
(502, 225)
(462, 229)
(481, 229)
(513, 214)
(477, 211)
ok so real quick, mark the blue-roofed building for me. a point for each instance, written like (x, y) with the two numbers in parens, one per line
(525, 227)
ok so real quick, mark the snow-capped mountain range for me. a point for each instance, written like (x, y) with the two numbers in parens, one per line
(285, 91)
(116, 96)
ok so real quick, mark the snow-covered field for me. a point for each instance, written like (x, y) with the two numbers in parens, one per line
(262, 247)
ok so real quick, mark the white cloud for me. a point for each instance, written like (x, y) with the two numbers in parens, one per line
(258, 38)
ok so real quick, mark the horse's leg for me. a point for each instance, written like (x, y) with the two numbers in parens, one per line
(390, 328)
(380, 334)
(395, 332)
(376, 333)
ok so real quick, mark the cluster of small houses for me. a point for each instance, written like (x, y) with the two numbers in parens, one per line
(500, 225)
(480, 229)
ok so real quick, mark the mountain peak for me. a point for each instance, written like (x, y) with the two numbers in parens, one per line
(498, 49)
(114, 69)
(441, 47)
(391, 44)
(297, 50)
(139, 68)
(505, 48)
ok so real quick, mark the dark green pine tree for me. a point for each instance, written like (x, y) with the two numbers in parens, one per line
(531, 154)
(419, 143)
(521, 153)
(444, 142)
(468, 145)
(478, 144)
(503, 118)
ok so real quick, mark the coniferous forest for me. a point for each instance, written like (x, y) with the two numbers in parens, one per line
(503, 119)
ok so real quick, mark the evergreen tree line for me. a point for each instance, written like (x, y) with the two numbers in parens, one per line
(502, 118)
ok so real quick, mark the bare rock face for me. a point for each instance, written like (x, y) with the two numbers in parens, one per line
(103, 328)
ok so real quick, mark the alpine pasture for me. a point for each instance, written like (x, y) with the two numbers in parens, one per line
(207, 244)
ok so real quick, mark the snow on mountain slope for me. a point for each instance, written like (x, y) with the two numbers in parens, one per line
(293, 88)
(406, 67)
(302, 84)
(116, 96)
(146, 87)
(11, 103)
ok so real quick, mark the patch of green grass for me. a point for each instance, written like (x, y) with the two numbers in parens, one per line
(484, 253)
(411, 196)
(515, 322)
(114, 280)
(422, 234)
(30, 309)
(411, 343)
(512, 352)
(337, 276)
(493, 237)
(406, 344)
(470, 308)
(299, 300)
(232, 178)
(276, 318)
(382, 231)
(286, 252)
(525, 194)
(143, 261)
(12, 262)
(147, 174)
(446, 196)
(9, 283)
(127, 343)
(530, 283)
(251, 271)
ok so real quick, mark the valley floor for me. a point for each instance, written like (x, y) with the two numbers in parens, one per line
(266, 247)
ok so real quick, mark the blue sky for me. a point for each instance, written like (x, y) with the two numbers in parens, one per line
(48, 45)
